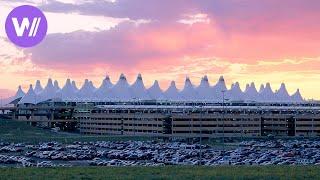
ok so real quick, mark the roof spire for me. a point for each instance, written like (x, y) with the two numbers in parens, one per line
(107, 77)
(221, 78)
(205, 78)
(122, 77)
(139, 77)
(188, 80)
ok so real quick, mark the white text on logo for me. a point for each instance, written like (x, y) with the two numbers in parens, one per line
(25, 25)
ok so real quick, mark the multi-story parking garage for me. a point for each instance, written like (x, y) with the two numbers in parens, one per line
(209, 121)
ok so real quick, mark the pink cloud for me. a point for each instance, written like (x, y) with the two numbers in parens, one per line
(242, 41)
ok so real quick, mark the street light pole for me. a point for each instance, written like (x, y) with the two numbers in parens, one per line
(223, 109)
(200, 154)
(134, 116)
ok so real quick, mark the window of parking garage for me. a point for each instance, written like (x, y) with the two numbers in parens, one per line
(303, 131)
(308, 120)
(304, 125)
(181, 125)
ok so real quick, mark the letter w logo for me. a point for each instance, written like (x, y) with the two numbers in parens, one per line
(25, 25)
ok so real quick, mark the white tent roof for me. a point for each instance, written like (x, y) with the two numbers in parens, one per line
(267, 95)
(188, 92)
(138, 89)
(19, 93)
(220, 85)
(204, 91)
(104, 91)
(121, 90)
(67, 92)
(86, 91)
(155, 91)
(92, 86)
(296, 97)
(38, 88)
(218, 89)
(74, 86)
(235, 93)
(30, 97)
(172, 93)
(49, 92)
(56, 85)
(282, 94)
(251, 93)
(247, 87)
(261, 88)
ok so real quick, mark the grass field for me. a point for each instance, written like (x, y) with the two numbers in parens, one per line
(176, 172)
(15, 131)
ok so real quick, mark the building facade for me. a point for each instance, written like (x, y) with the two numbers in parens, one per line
(180, 120)
(193, 121)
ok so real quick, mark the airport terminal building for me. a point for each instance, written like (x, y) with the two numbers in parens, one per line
(204, 110)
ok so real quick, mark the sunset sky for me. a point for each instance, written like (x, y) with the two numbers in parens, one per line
(244, 40)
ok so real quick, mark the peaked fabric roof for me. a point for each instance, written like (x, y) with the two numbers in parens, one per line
(56, 85)
(188, 92)
(30, 97)
(235, 93)
(251, 93)
(67, 92)
(282, 94)
(104, 91)
(155, 91)
(267, 95)
(204, 91)
(219, 89)
(261, 88)
(296, 97)
(86, 91)
(138, 89)
(74, 86)
(172, 93)
(38, 88)
(19, 93)
(123, 91)
(49, 91)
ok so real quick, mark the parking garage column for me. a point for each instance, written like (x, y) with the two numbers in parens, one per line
(14, 115)
(32, 114)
